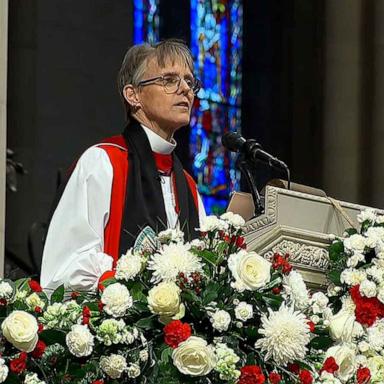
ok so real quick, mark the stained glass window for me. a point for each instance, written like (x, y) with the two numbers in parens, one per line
(216, 44)
(146, 21)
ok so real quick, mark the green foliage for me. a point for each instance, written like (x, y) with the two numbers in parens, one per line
(58, 295)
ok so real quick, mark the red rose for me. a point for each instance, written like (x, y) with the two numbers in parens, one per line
(175, 332)
(363, 375)
(35, 286)
(251, 374)
(274, 378)
(330, 365)
(305, 377)
(39, 349)
(86, 315)
(294, 368)
(19, 364)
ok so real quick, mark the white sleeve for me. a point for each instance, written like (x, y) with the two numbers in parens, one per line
(73, 253)
(202, 214)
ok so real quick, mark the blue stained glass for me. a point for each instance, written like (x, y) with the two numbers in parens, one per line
(146, 21)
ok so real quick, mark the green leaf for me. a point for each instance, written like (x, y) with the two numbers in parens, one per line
(335, 250)
(52, 336)
(334, 276)
(147, 323)
(165, 355)
(58, 295)
(22, 284)
(273, 301)
(209, 256)
(321, 342)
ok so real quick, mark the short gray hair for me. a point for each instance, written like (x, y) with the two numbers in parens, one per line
(136, 60)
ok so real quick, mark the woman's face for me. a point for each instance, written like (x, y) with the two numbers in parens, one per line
(167, 111)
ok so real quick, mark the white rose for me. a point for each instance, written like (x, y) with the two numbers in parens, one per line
(244, 311)
(319, 302)
(220, 320)
(80, 341)
(355, 242)
(34, 301)
(341, 326)
(20, 329)
(133, 371)
(194, 357)
(233, 219)
(116, 300)
(250, 270)
(164, 300)
(345, 358)
(368, 288)
(32, 378)
(6, 290)
(128, 266)
(3, 371)
(212, 223)
(113, 365)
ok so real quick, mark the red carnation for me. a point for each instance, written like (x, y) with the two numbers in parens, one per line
(175, 332)
(363, 375)
(39, 349)
(305, 377)
(86, 315)
(274, 378)
(330, 365)
(38, 309)
(40, 328)
(366, 313)
(251, 374)
(98, 382)
(240, 242)
(294, 368)
(311, 325)
(35, 286)
(19, 364)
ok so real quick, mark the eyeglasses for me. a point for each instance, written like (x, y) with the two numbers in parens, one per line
(171, 83)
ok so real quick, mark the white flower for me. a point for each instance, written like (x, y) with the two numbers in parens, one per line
(355, 243)
(380, 295)
(194, 357)
(172, 260)
(244, 311)
(6, 290)
(133, 370)
(319, 302)
(164, 300)
(226, 363)
(352, 276)
(113, 365)
(355, 259)
(368, 288)
(116, 299)
(212, 223)
(286, 335)
(34, 301)
(143, 355)
(80, 340)
(345, 357)
(250, 270)
(295, 290)
(333, 290)
(32, 378)
(328, 378)
(3, 371)
(128, 266)
(20, 329)
(377, 274)
(380, 219)
(368, 214)
(375, 335)
(341, 326)
(376, 367)
(233, 219)
(171, 235)
(220, 320)
(364, 346)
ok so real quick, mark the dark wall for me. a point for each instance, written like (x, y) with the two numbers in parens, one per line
(63, 60)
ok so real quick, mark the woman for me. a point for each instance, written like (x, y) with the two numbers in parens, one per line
(128, 182)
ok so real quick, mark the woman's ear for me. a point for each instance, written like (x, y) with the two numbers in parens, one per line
(131, 96)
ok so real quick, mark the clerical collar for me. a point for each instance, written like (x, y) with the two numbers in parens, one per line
(158, 144)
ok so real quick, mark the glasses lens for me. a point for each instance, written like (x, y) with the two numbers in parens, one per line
(171, 83)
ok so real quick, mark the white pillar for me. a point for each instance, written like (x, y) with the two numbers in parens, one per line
(3, 120)
(342, 87)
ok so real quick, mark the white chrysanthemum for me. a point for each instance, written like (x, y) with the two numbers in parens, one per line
(6, 290)
(212, 223)
(116, 299)
(368, 288)
(133, 370)
(171, 235)
(355, 243)
(233, 219)
(368, 214)
(244, 311)
(171, 261)
(295, 290)
(128, 266)
(220, 320)
(32, 378)
(3, 371)
(113, 365)
(80, 340)
(286, 335)
(375, 336)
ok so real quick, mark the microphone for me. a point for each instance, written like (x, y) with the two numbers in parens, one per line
(234, 142)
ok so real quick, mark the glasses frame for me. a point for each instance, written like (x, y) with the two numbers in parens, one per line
(195, 88)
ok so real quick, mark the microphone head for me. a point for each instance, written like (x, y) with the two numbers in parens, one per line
(233, 141)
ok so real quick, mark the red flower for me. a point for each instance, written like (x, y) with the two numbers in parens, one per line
(86, 315)
(39, 349)
(305, 377)
(3, 302)
(276, 290)
(330, 365)
(98, 382)
(311, 325)
(38, 309)
(363, 375)
(41, 328)
(35, 286)
(19, 364)
(281, 262)
(294, 368)
(240, 242)
(274, 378)
(100, 305)
(366, 313)
(251, 374)
(175, 332)
(75, 295)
